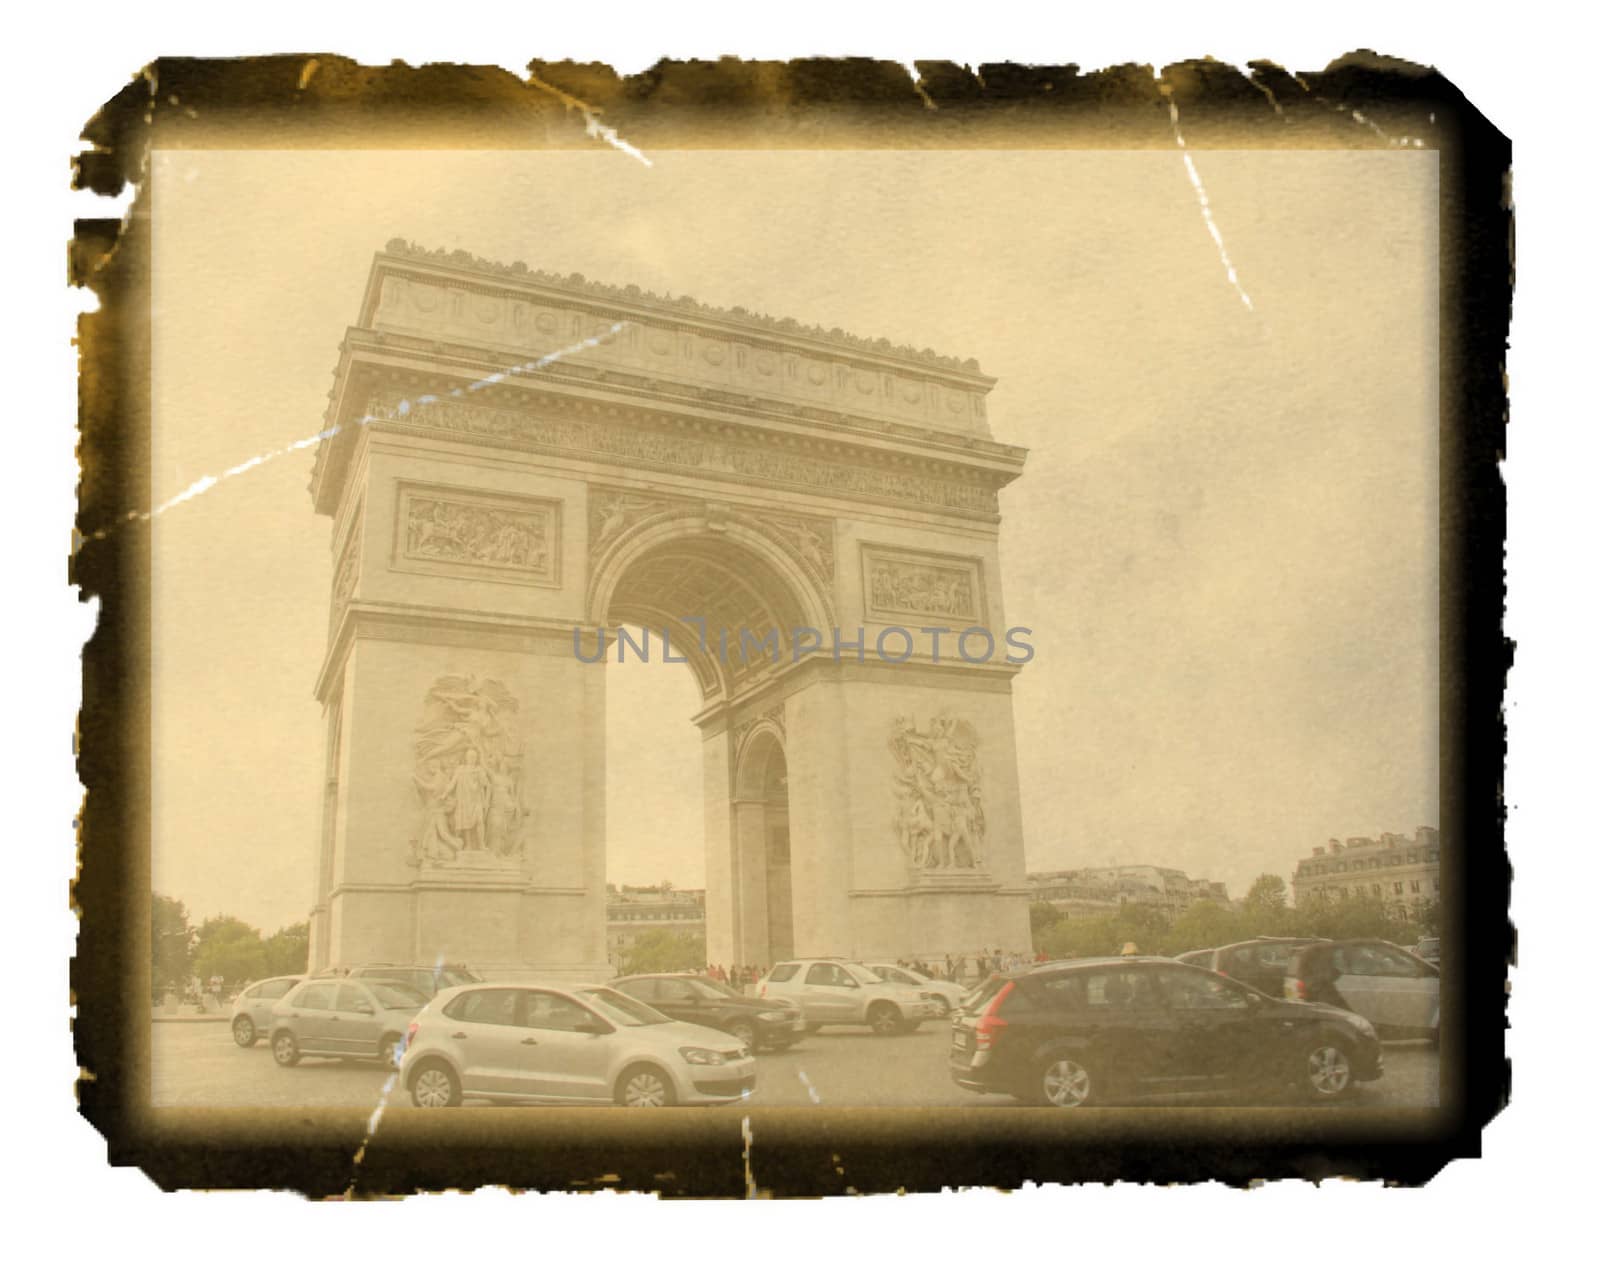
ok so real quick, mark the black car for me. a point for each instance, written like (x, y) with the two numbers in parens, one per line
(1077, 1032)
(1260, 963)
(688, 997)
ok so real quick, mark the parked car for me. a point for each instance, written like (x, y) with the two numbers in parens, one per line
(841, 993)
(1199, 959)
(1260, 962)
(689, 997)
(1427, 949)
(1077, 1032)
(252, 1008)
(428, 979)
(1387, 985)
(946, 995)
(343, 1018)
(567, 1043)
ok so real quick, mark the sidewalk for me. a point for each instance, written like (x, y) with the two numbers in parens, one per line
(188, 1013)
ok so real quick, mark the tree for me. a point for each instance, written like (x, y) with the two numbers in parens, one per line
(1266, 907)
(289, 949)
(1041, 917)
(1205, 923)
(665, 951)
(171, 945)
(227, 946)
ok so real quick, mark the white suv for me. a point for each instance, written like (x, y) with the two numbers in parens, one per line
(842, 993)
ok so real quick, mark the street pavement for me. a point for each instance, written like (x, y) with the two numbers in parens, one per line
(197, 1064)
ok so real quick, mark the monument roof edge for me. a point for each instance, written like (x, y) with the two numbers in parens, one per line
(402, 250)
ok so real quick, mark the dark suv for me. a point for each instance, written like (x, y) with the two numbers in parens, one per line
(1260, 963)
(1078, 1032)
(687, 997)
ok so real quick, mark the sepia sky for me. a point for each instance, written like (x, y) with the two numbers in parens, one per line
(1225, 538)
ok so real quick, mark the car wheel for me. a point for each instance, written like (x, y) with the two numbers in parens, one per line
(1066, 1082)
(386, 1048)
(285, 1052)
(746, 1032)
(884, 1019)
(644, 1087)
(435, 1085)
(244, 1032)
(1325, 1070)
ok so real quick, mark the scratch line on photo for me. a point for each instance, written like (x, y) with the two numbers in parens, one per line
(1205, 203)
(591, 121)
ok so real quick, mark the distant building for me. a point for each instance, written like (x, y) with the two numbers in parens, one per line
(1089, 891)
(632, 910)
(1401, 873)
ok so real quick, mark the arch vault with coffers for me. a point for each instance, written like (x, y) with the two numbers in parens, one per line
(806, 520)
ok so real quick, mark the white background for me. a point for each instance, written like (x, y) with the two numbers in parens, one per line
(1522, 65)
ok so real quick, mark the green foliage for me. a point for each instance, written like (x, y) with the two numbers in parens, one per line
(1204, 923)
(1041, 916)
(1106, 935)
(228, 946)
(665, 951)
(1265, 910)
(288, 950)
(171, 945)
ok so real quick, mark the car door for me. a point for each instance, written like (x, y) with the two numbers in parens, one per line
(1411, 989)
(355, 1026)
(1213, 1037)
(1125, 1014)
(563, 1059)
(311, 1016)
(490, 1041)
(829, 994)
(681, 1000)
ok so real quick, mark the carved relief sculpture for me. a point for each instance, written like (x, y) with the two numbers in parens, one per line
(938, 794)
(518, 539)
(922, 586)
(344, 576)
(469, 775)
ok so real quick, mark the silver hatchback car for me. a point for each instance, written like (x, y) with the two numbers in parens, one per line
(567, 1043)
(343, 1018)
(840, 992)
(252, 1008)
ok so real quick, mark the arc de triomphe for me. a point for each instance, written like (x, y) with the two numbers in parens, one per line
(811, 522)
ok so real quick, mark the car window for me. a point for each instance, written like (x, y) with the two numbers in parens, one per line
(711, 989)
(624, 1009)
(548, 1011)
(1191, 989)
(674, 989)
(890, 974)
(352, 999)
(1394, 963)
(276, 989)
(646, 989)
(859, 973)
(826, 975)
(318, 995)
(783, 973)
(1127, 989)
(396, 995)
(1064, 990)
(497, 1007)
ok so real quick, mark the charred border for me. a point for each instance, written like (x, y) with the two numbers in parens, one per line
(332, 102)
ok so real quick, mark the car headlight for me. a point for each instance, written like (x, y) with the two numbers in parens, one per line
(774, 1016)
(703, 1057)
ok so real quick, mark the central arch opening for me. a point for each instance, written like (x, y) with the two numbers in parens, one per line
(720, 592)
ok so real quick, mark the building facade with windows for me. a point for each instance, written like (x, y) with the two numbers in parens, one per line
(1090, 891)
(1398, 871)
(634, 910)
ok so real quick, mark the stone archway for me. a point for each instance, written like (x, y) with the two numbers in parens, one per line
(523, 460)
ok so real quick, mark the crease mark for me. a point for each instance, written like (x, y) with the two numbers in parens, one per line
(372, 1121)
(1200, 194)
(916, 83)
(810, 1088)
(206, 483)
(591, 121)
(751, 1191)
(1356, 115)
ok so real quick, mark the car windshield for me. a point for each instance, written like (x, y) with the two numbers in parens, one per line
(396, 995)
(711, 985)
(457, 978)
(624, 1009)
(861, 973)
